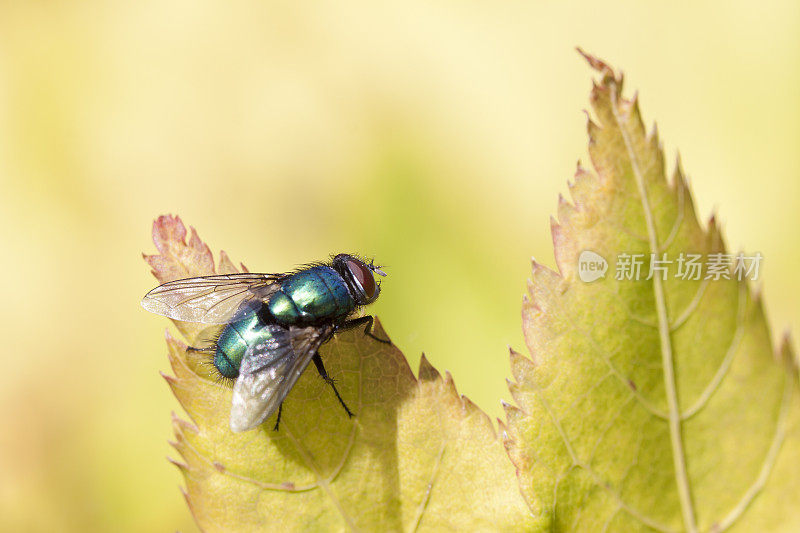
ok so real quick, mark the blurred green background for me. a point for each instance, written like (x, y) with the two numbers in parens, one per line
(434, 135)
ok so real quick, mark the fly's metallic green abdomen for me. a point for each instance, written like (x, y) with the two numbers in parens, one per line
(311, 296)
(318, 294)
(234, 340)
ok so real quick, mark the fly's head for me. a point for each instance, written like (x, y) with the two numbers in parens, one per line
(360, 277)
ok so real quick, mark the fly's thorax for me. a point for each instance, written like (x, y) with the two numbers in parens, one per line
(312, 296)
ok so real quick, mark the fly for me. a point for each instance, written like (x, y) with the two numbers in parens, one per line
(274, 325)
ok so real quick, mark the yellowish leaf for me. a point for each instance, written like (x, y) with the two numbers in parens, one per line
(656, 404)
(416, 457)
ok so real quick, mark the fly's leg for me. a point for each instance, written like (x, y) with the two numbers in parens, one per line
(368, 320)
(278, 421)
(207, 359)
(209, 349)
(321, 369)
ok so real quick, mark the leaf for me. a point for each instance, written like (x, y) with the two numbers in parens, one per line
(417, 456)
(648, 405)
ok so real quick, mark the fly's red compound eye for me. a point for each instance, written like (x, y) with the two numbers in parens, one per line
(363, 276)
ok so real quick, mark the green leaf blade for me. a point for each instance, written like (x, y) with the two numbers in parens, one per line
(648, 405)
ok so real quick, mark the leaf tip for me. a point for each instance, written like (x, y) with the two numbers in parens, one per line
(595, 62)
(468, 405)
(566, 210)
(716, 240)
(183, 467)
(501, 426)
(225, 265)
(513, 414)
(175, 258)
(786, 351)
(520, 364)
(377, 327)
(168, 227)
(592, 129)
(450, 384)
(190, 505)
(426, 370)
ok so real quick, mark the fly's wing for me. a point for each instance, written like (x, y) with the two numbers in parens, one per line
(269, 370)
(211, 299)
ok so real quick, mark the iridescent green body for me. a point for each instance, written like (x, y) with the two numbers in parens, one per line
(316, 295)
(272, 326)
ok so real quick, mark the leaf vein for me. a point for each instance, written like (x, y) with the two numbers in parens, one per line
(769, 459)
(678, 219)
(679, 459)
(724, 366)
(323, 483)
(607, 428)
(691, 308)
(283, 487)
(588, 469)
(607, 360)
(429, 488)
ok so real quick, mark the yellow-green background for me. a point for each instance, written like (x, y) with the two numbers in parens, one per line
(434, 135)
